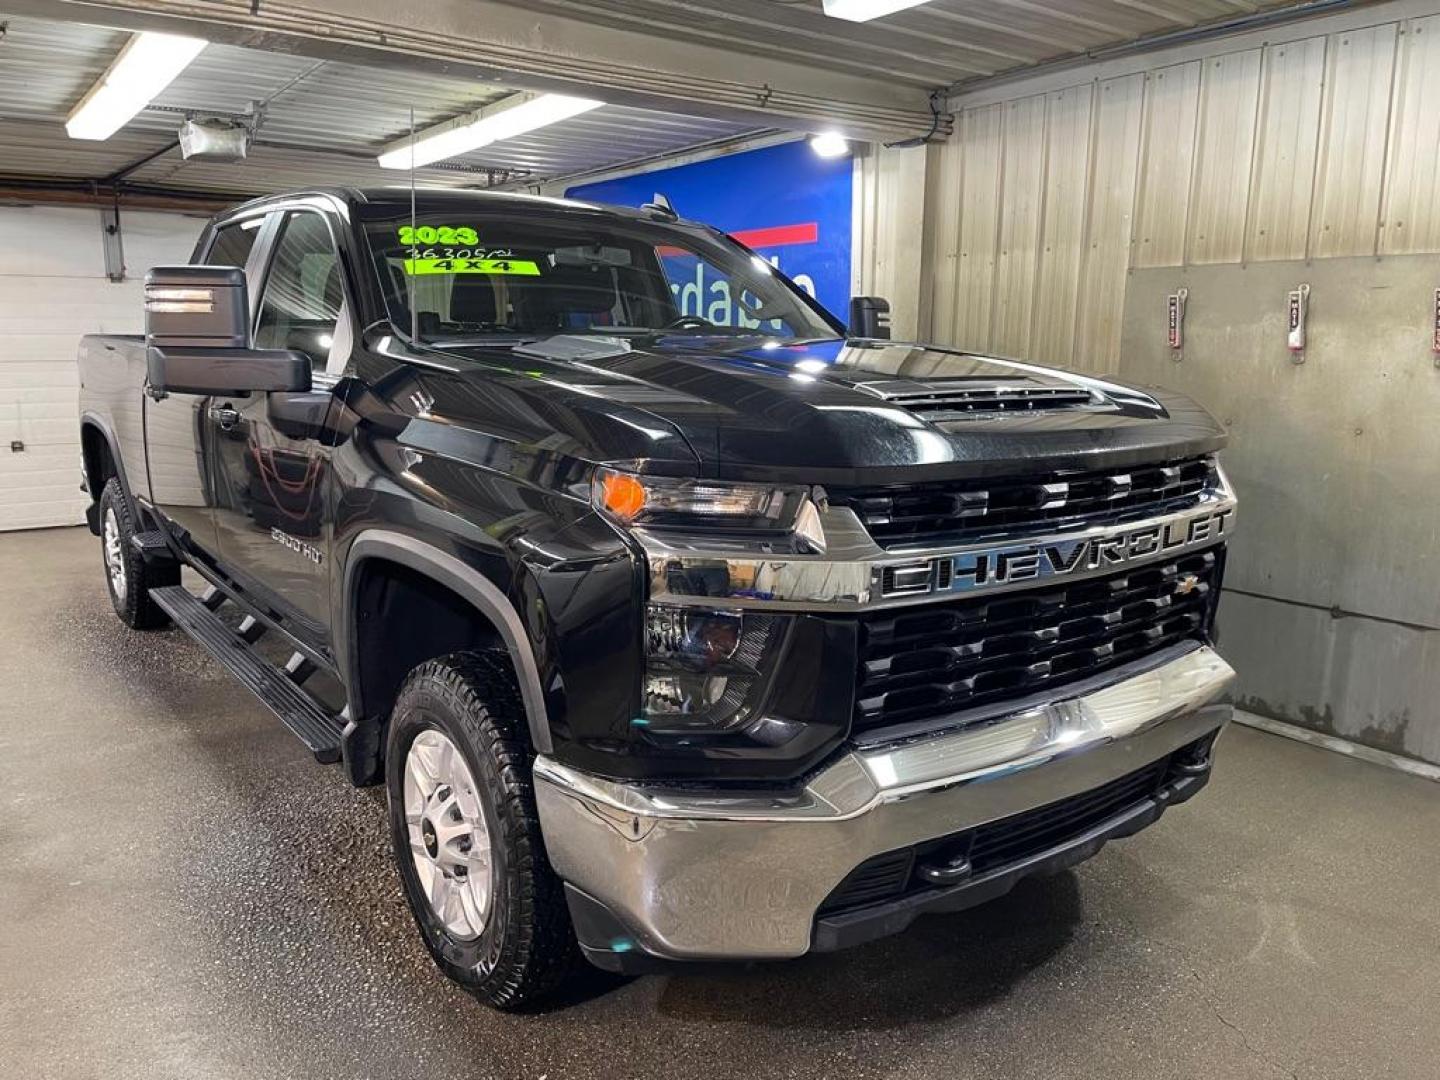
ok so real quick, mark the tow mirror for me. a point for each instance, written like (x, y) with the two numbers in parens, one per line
(870, 317)
(197, 336)
(205, 307)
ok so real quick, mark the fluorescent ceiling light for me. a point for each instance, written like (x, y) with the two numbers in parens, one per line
(505, 119)
(829, 144)
(146, 65)
(865, 10)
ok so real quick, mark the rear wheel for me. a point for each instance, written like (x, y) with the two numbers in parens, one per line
(127, 576)
(467, 836)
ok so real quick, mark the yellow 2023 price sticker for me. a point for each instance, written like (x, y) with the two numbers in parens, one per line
(518, 267)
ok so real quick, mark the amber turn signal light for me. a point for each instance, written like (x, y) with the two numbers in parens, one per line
(622, 495)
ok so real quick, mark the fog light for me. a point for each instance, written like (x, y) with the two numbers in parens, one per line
(683, 695)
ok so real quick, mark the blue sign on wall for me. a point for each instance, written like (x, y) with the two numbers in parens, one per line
(785, 202)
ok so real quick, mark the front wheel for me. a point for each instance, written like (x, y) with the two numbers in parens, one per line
(466, 832)
(127, 576)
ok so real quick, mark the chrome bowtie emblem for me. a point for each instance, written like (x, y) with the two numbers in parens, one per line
(1187, 584)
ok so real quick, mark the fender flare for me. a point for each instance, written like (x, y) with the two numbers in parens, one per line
(100, 424)
(468, 583)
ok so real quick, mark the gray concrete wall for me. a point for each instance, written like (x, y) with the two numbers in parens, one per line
(1333, 609)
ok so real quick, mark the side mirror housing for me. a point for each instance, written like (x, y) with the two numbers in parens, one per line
(207, 371)
(204, 306)
(197, 336)
(870, 317)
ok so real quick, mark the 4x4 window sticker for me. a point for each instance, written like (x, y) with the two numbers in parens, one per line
(511, 267)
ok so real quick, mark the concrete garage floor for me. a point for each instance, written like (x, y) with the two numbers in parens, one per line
(184, 893)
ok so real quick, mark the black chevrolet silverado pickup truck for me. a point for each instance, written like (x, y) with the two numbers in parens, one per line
(681, 624)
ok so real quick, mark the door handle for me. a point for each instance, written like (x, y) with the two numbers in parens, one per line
(227, 416)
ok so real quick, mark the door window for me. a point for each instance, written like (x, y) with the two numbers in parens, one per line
(303, 295)
(233, 243)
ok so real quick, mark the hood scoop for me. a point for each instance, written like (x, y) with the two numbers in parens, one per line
(971, 398)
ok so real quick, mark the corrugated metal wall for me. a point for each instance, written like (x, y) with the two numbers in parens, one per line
(1322, 147)
(888, 234)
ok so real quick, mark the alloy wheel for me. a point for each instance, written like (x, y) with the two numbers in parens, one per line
(449, 838)
(114, 554)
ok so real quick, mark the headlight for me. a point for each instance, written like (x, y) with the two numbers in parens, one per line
(658, 502)
(703, 669)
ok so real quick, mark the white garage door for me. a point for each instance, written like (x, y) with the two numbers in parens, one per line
(53, 288)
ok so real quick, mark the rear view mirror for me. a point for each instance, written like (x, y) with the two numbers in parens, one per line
(594, 255)
(197, 333)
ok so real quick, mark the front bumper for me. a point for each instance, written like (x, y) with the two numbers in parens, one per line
(676, 874)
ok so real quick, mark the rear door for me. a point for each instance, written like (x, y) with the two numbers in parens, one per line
(178, 432)
(273, 501)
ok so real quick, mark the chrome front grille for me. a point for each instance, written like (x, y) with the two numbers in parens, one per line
(917, 515)
(917, 663)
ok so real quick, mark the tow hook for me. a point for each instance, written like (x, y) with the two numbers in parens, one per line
(954, 869)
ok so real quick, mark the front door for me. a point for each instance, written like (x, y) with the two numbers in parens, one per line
(273, 487)
(179, 435)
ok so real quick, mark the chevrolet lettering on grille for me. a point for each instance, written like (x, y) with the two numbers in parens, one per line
(1082, 556)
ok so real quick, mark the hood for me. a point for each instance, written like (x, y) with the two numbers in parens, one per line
(836, 412)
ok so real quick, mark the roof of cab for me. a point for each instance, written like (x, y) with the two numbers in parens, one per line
(448, 199)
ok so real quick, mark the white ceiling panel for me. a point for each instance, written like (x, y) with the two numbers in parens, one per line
(937, 44)
(320, 122)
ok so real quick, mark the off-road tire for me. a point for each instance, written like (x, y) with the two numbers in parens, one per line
(527, 947)
(130, 594)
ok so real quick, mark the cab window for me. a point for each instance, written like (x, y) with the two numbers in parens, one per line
(233, 243)
(301, 304)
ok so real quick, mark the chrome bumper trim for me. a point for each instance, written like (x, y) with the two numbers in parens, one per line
(734, 875)
(850, 573)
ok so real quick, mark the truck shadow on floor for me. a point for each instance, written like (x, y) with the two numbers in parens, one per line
(941, 967)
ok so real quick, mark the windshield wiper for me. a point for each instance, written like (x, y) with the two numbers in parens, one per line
(710, 331)
(504, 338)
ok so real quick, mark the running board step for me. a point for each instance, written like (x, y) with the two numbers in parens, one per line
(151, 545)
(307, 721)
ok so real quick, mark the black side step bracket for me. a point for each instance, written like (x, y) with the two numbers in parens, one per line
(311, 724)
(152, 547)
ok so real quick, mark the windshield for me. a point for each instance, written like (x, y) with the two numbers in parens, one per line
(528, 272)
